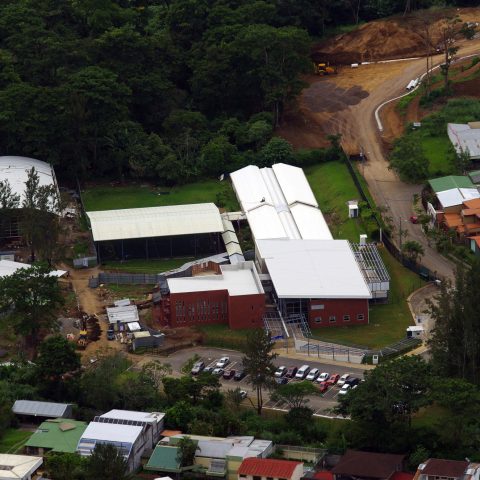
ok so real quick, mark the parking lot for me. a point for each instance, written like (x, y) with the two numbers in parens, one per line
(321, 403)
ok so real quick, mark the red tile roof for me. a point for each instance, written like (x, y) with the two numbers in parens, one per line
(444, 468)
(402, 476)
(266, 467)
(368, 464)
(324, 475)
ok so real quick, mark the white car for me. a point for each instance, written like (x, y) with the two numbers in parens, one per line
(345, 389)
(302, 372)
(280, 372)
(343, 379)
(223, 362)
(243, 394)
(313, 374)
(218, 372)
(323, 377)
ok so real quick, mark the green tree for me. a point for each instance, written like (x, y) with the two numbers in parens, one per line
(107, 463)
(412, 250)
(295, 394)
(258, 363)
(65, 466)
(186, 451)
(409, 160)
(277, 150)
(29, 300)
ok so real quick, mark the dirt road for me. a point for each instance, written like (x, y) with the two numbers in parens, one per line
(355, 122)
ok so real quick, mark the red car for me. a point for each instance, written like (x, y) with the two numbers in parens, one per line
(323, 387)
(333, 379)
(228, 374)
(291, 372)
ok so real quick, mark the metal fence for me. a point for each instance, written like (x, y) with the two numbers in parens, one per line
(128, 278)
(84, 262)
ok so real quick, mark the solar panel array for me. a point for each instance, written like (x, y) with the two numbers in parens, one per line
(120, 421)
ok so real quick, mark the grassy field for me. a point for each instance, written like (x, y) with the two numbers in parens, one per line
(158, 265)
(438, 150)
(13, 440)
(136, 196)
(333, 187)
(134, 292)
(222, 337)
(387, 322)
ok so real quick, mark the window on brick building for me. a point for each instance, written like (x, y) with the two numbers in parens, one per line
(318, 319)
(360, 317)
(346, 318)
(332, 319)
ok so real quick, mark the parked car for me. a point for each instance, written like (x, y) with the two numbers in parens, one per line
(197, 368)
(291, 372)
(281, 371)
(345, 389)
(333, 379)
(228, 374)
(208, 369)
(110, 335)
(239, 375)
(343, 379)
(313, 374)
(281, 380)
(323, 377)
(352, 381)
(223, 362)
(323, 387)
(302, 372)
(243, 394)
(218, 372)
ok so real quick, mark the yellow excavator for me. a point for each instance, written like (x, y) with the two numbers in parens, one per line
(324, 68)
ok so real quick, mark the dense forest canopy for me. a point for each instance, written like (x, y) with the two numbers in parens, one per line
(167, 90)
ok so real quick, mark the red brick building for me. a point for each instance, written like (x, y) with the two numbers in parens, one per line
(226, 294)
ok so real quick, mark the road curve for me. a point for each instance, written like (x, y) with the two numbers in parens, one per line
(387, 189)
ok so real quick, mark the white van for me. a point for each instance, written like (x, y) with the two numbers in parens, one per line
(302, 372)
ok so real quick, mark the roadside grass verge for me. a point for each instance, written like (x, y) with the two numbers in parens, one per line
(13, 440)
(106, 197)
(333, 186)
(388, 322)
(146, 266)
(221, 336)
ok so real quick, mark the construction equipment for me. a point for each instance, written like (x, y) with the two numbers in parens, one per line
(324, 68)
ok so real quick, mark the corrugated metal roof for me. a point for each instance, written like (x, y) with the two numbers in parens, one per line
(150, 417)
(294, 184)
(268, 467)
(40, 409)
(7, 267)
(310, 222)
(313, 269)
(15, 170)
(164, 458)
(465, 137)
(449, 182)
(111, 432)
(456, 196)
(155, 221)
(53, 435)
(14, 467)
(128, 313)
(265, 223)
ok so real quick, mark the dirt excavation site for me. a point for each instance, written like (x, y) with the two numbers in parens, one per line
(345, 102)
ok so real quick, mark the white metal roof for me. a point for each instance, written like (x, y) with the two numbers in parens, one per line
(238, 279)
(134, 327)
(456, 196)
(149, 417)
(310, 222)
(40, 409)
(7, 267)
(126, 314)
(279, 203)
(463, 137)
(313, 269)
(155, 221)
(15, 170)
(14, 467)
(294, 184)
(111, 432)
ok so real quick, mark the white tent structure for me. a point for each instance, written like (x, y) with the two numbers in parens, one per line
(7, 267)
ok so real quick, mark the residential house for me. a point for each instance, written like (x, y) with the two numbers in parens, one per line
(357, 465)
(466, 222)
(18, 467)
(270, 469)
(215, 456)
(56, 435)
(436, 468)
(465, 137)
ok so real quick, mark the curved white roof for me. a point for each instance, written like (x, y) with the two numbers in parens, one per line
(155, 221)
(15, 170)
(250, 188)
(265, 223)
(294, 184)
(310, 222)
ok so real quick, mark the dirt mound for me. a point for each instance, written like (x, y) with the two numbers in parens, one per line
(396, 37)
(328, 97)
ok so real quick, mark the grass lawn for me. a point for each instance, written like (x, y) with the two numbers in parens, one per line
(222, 337)
(146, 266)
(13, 440)
(438, 152)
(387, 322)
(333, 187)
(108, 197)
(134, 292)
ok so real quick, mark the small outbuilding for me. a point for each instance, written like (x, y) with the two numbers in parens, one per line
(18, 467)
(271, 469)
(145, 339)
(31, 409)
